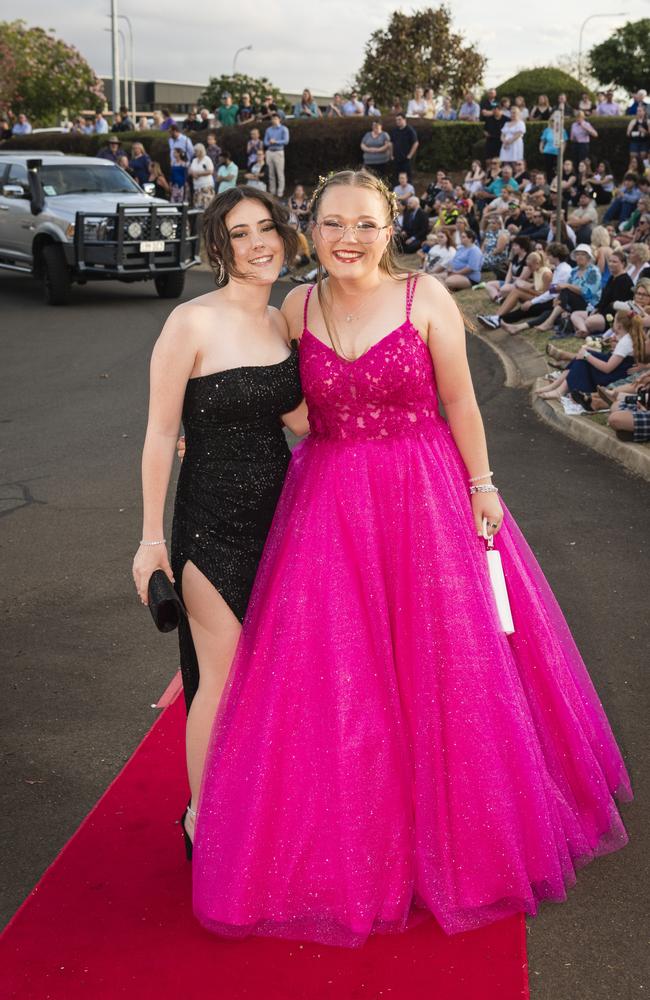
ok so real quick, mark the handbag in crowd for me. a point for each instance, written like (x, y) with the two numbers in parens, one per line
(164, 603)
(498, 581)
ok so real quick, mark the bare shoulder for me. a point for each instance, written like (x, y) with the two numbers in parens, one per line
(293, 309)
(431, 293)
(186, 326)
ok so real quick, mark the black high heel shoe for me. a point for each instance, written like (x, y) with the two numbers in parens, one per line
(186, 837)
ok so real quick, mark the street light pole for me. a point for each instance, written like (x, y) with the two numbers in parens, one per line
(116, 57)
(123, 17)
(623, 13)
(244, 48)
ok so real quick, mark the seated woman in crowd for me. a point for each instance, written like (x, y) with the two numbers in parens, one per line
(601, 247)
(520, 247)
(630, 415)
(581, 291)
(588, 368)
(440, 253)
(617, 287)
(464, 270)
(495, 246)
(638, 257)
(524, 289)
(602, 182)
(474, 178)
(534, 311)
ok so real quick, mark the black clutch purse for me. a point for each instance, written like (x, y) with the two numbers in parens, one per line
(164, 603)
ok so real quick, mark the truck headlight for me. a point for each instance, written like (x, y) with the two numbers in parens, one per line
(134, 230)
(167, 228)
(96, 229)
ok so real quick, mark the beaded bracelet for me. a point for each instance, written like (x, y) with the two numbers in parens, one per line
(484, 488)
(161, 542)
(475, 479)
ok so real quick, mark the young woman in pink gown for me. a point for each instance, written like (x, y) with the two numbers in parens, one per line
(383, 751)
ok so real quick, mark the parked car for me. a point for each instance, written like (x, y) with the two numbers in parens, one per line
(67, 219)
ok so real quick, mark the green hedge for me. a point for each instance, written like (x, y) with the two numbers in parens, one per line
(316, 147)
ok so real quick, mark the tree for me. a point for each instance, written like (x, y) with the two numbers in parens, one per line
(419, 49)
(542, 80)
(237, 85)
(623, 60)
(41, 75)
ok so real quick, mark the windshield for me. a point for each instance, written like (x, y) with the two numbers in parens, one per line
(82, 179)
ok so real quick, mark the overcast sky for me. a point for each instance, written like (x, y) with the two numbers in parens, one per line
(314, 44)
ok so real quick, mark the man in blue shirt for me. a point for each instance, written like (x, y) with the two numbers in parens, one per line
(276, 138)
(464, 269)
(179, 141)
(22, 126)
(469, 111)
(101, 125)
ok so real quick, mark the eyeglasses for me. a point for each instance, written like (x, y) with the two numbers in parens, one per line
(364, 232)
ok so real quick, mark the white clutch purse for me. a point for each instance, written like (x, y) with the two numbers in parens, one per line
(498, 581)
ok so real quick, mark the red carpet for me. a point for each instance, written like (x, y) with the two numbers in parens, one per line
(112, 918)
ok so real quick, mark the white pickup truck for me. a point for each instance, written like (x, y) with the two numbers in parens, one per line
(68, 219)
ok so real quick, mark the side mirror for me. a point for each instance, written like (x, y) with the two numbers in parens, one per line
(14, 191)
(149, 188)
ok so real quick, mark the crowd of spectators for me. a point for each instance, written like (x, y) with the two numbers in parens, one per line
(492, 225)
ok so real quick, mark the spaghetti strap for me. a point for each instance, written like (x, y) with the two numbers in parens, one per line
(304, 315)
(411, 282)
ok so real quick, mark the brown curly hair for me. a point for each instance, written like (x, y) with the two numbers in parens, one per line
(218, 246)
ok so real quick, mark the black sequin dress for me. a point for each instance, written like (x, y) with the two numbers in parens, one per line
(230, 481)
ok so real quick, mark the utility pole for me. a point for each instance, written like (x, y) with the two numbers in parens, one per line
(116, 57)
(558, 139)
(123, 17)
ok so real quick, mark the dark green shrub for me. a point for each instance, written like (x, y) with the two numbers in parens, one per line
(543, 80)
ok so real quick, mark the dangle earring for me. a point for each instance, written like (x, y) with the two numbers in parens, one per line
(221, 272)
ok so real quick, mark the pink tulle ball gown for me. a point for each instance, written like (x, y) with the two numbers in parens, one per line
(383, 751)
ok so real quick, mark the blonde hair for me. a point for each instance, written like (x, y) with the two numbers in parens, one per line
(600, 237)
(633, 325)
(642, 249)
(535, 257)
(199, 150)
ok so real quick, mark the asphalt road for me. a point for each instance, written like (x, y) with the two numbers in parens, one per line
(82, 663)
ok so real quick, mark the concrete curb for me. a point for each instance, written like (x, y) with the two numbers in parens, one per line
(524, 366)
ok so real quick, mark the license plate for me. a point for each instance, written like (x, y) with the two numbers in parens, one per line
(152, 246)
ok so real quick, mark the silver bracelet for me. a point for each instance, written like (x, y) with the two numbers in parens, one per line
(475, 479)
(161, 542)
(484, 488)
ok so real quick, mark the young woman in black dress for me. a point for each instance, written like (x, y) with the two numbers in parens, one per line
(224, 365)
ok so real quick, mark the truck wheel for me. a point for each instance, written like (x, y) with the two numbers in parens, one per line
(170, 286)
(56, 276)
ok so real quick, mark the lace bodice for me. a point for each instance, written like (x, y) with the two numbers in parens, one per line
(388, 391)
